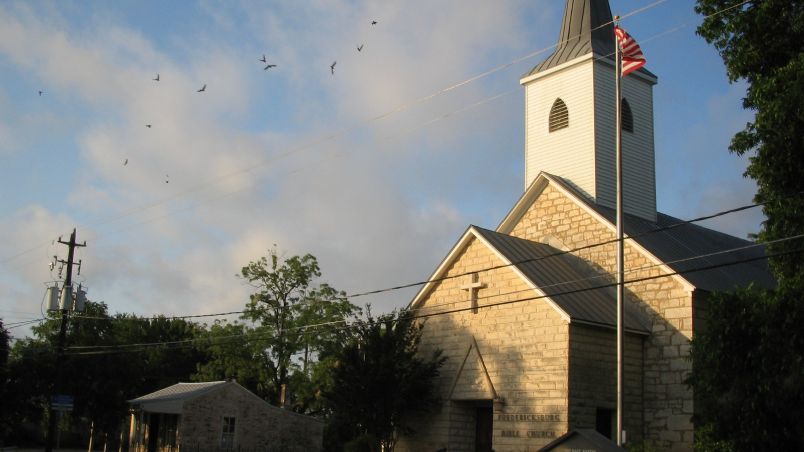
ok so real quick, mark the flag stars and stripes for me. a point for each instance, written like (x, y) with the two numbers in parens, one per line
(633, 58)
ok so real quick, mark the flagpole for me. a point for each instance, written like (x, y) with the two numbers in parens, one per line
(620, 263)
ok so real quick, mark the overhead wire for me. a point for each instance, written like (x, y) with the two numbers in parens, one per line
(562, 283)
(514, 263)
(569, 251)
(414, 314)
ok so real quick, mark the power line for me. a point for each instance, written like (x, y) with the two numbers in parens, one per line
(103, 349)
(561, 253)
(524, 261)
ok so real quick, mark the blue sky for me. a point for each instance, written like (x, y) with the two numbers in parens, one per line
(291, 156)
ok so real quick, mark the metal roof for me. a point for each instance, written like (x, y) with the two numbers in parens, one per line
(569, 281)
(582, 439)
(587, 27)
(179, 392)
(680, 247)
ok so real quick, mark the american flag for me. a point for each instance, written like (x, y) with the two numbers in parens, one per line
(633, 58)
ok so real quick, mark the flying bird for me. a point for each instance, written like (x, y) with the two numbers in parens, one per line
(125, 162)
(373, 22)
(40, 93)
(148, 126)
(360, 48)
(269, 67)
(332, 67)
(167, 178)
(263, 58)
(203, 88)
(157, 78)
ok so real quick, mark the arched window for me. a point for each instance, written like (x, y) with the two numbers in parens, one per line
(559, 116)
(627, 117)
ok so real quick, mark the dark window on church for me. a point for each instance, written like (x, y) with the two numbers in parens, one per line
(628, 117)
(604, 422)
(559, 116)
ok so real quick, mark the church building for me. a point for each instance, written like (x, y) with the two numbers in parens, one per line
(526, 312)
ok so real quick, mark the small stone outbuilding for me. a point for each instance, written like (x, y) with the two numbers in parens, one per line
(217, 416)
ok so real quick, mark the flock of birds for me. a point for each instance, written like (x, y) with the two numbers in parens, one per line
(268, 66)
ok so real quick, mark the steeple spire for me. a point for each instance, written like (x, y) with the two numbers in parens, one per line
(587, 27)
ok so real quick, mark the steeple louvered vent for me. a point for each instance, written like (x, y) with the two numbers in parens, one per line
(559, 116)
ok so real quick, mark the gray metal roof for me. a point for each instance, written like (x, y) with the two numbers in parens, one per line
(680, 246)
(586, 28)
(568, 281)
(582, 439)
(179, 392)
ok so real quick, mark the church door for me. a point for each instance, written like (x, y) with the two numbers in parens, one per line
(483, 429)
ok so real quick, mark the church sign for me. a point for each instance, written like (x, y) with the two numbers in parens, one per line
(533, 431)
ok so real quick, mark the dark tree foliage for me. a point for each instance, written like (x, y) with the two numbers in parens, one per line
(379, 379)
(748, 371)
(748, 362)
(762, 43)
(4, 352)
(101, 380)
(234, 353)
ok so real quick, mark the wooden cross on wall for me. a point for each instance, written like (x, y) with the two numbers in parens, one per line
(472, 287)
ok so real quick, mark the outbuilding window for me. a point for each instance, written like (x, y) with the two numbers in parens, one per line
(228, 433)
(559, 116)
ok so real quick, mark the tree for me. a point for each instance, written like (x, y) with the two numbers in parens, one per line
(748, 362)
(5, 341)
(748, 371)
(379, 379)
(762, 43)
(286, 307)
(101, 379)
(234, 352)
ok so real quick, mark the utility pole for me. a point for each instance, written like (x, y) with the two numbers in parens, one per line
(67, 290)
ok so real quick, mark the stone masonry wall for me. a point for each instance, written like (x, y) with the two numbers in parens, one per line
(259, 426)
(666, 303)
(524, 346)
(593, 378)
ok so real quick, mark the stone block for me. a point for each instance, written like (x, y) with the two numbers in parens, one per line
(679, 423)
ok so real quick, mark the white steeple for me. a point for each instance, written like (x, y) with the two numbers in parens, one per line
(570, 114)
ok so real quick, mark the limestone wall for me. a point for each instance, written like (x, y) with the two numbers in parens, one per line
(666, 303)
(524, 348)
(258, 426)
(593, 378)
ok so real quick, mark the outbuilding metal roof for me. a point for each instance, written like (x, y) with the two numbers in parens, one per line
(569, 281)
(179, 392)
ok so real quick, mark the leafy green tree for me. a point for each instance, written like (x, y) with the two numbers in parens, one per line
(234, 351)
(286, 302)
(30, 370)
(762, 43)
(748, 372)
(748, 362)
(379, 379)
